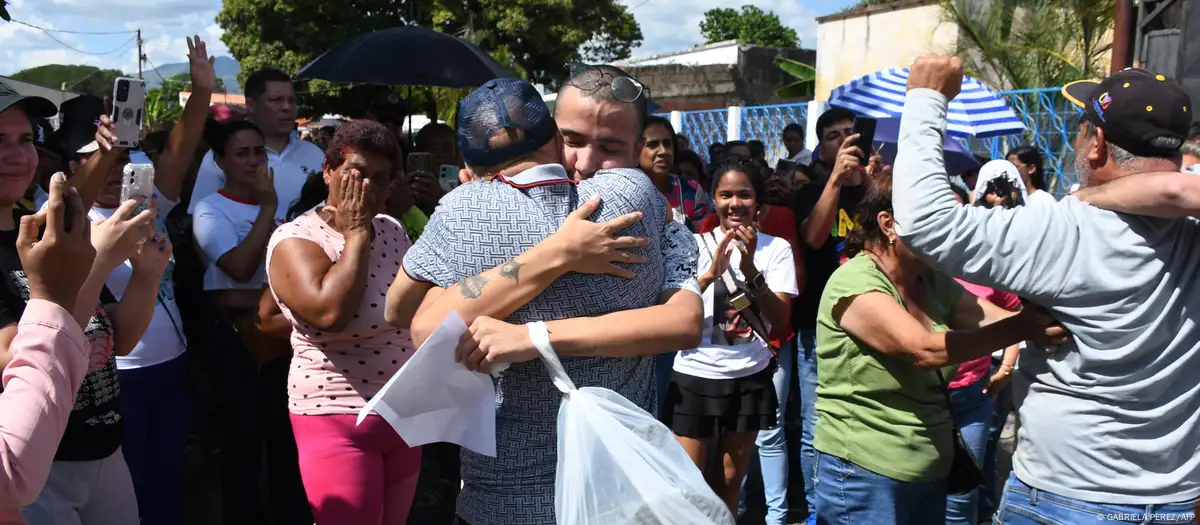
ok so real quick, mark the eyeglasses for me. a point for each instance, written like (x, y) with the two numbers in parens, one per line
(624, 89)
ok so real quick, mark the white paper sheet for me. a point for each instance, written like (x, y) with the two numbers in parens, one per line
(434, 399)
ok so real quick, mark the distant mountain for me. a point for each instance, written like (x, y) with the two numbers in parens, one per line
(226, 68)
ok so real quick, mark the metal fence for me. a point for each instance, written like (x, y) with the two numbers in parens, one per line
(1051, 121)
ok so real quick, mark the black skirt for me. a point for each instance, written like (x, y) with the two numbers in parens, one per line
(702, 408)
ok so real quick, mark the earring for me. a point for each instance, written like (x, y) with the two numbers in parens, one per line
(891, 241)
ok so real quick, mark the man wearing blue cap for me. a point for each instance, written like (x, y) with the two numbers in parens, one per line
(517, 246)
(1110, 424)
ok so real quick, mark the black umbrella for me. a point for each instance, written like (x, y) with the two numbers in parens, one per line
(406, 56)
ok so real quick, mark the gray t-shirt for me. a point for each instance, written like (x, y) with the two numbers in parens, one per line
(1114, 415)
(481, 225)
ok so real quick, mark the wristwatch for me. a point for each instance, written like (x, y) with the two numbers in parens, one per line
(758, 282)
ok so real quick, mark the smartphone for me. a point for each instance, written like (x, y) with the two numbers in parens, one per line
(128, 109)
(865, 129)
(448, 177)
(138, 183)
(420, 162)
(68, 213)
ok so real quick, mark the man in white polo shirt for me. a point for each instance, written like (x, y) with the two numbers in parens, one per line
(271, 101)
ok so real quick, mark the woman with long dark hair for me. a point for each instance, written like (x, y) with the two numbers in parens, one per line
(330, 269)
(1032, 165)
(885, 433)
(721, 393)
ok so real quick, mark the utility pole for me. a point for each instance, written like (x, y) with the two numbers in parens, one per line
(140, 56)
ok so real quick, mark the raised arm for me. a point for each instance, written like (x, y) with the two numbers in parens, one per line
(50, 352)
(1030, 250)
(1168, 195)
(172, 164)
(131, 316)
(579, 245)
(816, 226)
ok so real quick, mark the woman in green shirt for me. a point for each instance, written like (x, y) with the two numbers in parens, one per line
(884, 431)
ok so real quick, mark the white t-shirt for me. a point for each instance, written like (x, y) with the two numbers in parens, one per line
(292, 167)
(163, 340)
(219, 224)
(772, 257)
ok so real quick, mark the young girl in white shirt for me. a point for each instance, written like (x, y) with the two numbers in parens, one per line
(720, 392)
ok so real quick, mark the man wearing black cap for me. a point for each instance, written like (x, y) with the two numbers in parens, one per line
(1108, 423)
(492, 252)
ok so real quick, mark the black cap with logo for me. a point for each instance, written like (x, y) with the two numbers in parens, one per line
(1143, 113)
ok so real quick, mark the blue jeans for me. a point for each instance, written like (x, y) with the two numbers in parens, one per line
(973, 413)
(1022, 504)
(847, 494)
(806, 373)
(772, 446)
(1001, 406)
(663, 365)
(156, 408)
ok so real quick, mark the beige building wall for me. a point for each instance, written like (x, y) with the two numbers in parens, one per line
(860, 44)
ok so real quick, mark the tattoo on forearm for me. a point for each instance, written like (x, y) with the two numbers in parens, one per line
(512, 270)
(472, 287)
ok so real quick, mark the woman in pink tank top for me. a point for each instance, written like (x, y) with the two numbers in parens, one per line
(329, 270)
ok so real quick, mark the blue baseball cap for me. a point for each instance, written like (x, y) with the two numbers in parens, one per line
(504, 120)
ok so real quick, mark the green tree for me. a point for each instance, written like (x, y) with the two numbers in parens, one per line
(752, 26)
(88, 80)
(161, 108)
(536, 39)
(1026, 44)
(804, 74)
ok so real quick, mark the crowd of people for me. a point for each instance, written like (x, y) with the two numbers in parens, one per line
(915, 309)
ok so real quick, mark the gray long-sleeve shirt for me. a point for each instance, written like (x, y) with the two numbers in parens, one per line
(1114, 415)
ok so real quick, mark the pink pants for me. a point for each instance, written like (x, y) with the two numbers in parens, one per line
(362, 475)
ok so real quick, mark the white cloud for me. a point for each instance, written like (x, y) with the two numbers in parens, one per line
(164, 23)
(671, 25)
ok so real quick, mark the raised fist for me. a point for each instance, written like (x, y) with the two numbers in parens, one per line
(943, 73)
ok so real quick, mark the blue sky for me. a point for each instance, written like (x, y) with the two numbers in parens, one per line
(165, 23)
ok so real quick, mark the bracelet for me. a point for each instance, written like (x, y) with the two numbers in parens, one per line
(1006, 369)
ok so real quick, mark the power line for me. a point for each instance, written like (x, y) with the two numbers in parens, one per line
(50, 30)
(77, 50)
(154, 68)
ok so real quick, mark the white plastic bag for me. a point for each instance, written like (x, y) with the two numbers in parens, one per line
(617, 464)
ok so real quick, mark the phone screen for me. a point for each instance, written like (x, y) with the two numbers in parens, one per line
(864, 127)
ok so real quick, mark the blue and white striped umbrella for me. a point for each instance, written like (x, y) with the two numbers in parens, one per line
(977, 111)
